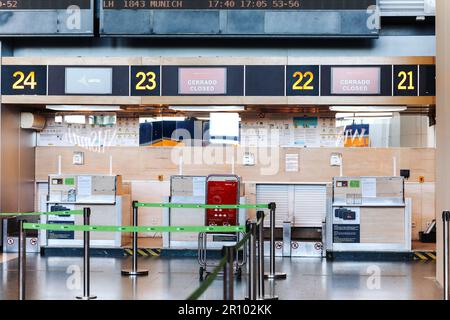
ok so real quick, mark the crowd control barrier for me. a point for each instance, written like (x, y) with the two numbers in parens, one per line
(253, 236)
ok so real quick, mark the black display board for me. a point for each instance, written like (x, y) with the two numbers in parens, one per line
(216, 80)
(24, 80)
(43, 4)
(239, 4)
(427, 80)
(264, 81)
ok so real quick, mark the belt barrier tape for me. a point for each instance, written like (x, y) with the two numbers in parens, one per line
(213, 275)
(93, 228)
(54, 213)
(201, 206)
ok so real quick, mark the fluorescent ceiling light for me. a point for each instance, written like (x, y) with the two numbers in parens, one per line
(367, 109)
(368, 118)
(364, 115)
(208, 108)
(83, 108)
(155, 119)
(202, 118)
(75, 119)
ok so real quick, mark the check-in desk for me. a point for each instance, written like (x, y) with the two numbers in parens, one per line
(368, 214)
(73, 192)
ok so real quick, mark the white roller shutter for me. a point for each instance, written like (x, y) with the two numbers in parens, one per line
(310, 205)
(279, 194)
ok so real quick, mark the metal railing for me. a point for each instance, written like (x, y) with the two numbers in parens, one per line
(445, 220)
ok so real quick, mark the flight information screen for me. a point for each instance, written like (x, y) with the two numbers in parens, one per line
(239, 4)
(43, 4)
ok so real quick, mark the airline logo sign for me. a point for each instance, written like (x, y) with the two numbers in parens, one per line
(357, 136)
(199, 81)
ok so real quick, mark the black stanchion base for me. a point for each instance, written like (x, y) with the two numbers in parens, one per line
(266, 297)
(276, 276)
(86, 298)
(136, 273)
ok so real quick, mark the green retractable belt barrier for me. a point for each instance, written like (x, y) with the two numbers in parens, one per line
(201, 206)
(213, 275)
(68, 227)
(50, 213)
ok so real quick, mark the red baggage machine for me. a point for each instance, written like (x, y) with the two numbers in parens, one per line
(222, 189)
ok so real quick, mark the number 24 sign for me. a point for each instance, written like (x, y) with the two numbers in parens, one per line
(24, 80)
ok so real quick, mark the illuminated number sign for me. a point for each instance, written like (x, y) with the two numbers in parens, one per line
(43, 4)
(302, 80)
(24, 80)
(406, 80)
(145, 81)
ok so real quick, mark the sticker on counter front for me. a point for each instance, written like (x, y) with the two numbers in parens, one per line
(69, 181)
(84, 185)
(202, 81)
(354, 184)
(346, 233)
(369, 187)
(61, 235)
(356, 81)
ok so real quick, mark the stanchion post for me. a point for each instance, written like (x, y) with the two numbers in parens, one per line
(228, 272)
(261, 290)
(134, 271)
(272, 272)
(252, 263)
(86, 258)
(445, 220)
(22, 260)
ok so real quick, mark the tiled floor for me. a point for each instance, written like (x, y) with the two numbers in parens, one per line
(176, 278)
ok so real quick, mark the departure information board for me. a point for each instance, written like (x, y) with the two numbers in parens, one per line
(218, 80)
(43, 4)
(222, 18)
(240, 4)
(46, 18)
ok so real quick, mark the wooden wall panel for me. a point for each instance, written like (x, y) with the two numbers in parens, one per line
(142, 166)
(382, 225)
(17, 164)
(148, 163)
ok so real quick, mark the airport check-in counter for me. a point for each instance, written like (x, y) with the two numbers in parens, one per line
(74, 192)
(189, 189)
(368, 214)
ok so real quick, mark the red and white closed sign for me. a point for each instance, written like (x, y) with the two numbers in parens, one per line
(208, 81)
(358, 81)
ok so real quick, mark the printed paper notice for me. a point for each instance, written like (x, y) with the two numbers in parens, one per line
(369, 187)
(291, 162)
(198, 187)
(84, 185)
